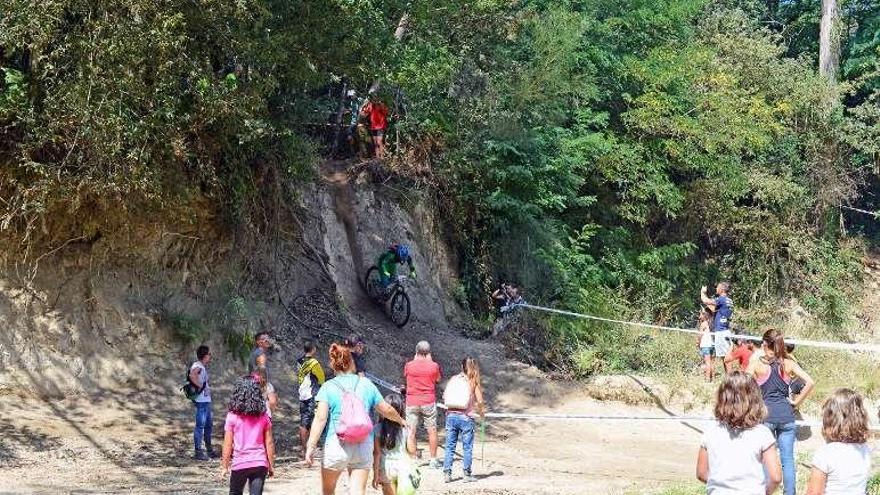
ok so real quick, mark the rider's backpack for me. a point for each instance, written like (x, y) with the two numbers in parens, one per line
(354, 424)
(457, 394)
(190, 389)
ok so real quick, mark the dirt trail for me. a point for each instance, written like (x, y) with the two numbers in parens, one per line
(132, 445)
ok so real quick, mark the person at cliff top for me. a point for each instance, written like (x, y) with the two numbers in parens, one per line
(397, 254)
(376, 112)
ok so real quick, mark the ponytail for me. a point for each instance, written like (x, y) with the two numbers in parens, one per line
(775, 341)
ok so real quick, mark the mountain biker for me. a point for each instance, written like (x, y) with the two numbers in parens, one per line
(388, 261)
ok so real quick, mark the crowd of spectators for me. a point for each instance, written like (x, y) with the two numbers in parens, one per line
(338, 416)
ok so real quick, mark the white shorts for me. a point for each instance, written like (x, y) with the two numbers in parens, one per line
(340, 456)
(722, 343)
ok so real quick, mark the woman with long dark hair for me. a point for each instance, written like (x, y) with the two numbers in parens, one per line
(774, 372)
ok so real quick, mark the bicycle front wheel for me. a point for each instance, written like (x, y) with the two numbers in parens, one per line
(400, 309)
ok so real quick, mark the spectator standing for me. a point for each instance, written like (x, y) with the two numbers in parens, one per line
(705, 343)
(357, 346)
(774, 372)
(722, 307)
(340, 455)
(198, 375)
(259, 356)
(248, 446)
(842, 466)
(736, 452)
(463, 397)
(309, 377)
(422, 375)
(377, 114)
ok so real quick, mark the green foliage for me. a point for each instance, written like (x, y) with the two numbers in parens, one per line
(235, 321)
(612, 157)
(149, 106)
(188, 329)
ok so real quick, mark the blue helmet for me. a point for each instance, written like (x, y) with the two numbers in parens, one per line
(402, 251)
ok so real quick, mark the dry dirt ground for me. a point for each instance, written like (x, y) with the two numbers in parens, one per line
(141, 444)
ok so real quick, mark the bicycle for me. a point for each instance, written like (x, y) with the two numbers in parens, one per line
(393, 298)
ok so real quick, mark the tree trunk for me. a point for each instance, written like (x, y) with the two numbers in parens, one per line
(829, 41)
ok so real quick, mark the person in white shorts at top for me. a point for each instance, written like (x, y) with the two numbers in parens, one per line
(722, 306)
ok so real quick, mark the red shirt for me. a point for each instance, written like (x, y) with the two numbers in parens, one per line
(378, 114)
(743, 354)
(421, 376)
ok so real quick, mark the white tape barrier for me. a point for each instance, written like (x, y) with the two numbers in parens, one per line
(590, 417)
(843, 346)
(866, 212)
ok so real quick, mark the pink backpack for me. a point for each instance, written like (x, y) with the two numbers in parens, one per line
(354, 424)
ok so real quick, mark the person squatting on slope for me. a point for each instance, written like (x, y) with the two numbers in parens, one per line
(463, 397)
(397, 254)
(346, 405)
(774, 372)
(309, 378)
(842, 466)
(722, 307)
(422, 375)
(248, 446)
(736, 453)
(742, 351)
(198, 375)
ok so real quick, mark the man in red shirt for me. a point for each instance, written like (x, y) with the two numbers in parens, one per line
(742, 353)
(422, 375)
(377, 114)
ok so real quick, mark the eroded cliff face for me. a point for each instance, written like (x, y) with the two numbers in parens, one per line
(114, 312)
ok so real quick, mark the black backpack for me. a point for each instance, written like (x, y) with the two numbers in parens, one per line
(190, 389)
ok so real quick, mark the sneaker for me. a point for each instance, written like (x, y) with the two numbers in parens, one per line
(469, 478)
(201, 456)
(213, 454)
(435, 464)
(447, 477)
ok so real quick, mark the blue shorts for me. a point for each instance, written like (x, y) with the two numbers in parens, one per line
(707, 351)
(306, 412)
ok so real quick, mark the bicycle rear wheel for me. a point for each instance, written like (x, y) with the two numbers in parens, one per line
(400, 309)
(372, 285)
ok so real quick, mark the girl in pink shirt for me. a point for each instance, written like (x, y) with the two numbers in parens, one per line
(248, 447)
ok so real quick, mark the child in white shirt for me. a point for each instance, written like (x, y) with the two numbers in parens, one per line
(842, 466)
(738, 449)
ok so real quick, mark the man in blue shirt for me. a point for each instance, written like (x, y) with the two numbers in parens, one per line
(722, 306)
